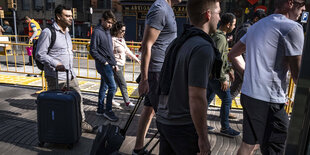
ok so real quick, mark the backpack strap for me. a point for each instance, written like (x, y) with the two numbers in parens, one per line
(53, 37)
(167, 69)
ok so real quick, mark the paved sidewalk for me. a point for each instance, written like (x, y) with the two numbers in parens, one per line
(18, 126)
(88, 85)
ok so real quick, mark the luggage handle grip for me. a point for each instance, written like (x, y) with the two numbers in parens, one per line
(67, 80)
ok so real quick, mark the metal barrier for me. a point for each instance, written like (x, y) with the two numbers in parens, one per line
(84, 65)
(16, 58)
(82, 56)
(12, 38)
(290, 94)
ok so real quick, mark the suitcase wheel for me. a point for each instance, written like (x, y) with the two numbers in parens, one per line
(41, 144)
(70, 146)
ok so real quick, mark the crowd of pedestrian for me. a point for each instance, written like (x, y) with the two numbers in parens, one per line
(181, 75)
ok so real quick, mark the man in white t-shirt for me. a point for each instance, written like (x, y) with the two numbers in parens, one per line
(273, 46)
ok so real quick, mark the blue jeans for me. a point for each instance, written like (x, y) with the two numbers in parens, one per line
(214, 87)
(107, 82)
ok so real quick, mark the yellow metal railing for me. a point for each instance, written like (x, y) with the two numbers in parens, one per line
(16, 57)
(290, 93)
(81, 53)
(12, 38)
(16, 54)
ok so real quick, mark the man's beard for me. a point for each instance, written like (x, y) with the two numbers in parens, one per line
(212, 29)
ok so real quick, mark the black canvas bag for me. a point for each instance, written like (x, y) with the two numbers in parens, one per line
(110, 137)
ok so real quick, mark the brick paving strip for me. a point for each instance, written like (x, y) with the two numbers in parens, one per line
(18, 126)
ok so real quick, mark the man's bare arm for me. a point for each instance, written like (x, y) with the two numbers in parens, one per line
(149, 38)
(236, 58)
(1, 29)
(35, 32)
(294, 63)
(198, 110)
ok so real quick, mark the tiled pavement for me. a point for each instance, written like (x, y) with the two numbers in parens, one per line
(18, 126)
(87, 85)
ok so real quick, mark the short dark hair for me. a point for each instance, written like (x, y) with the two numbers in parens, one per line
(117, 27)
(59, 8)
(227, 18)
(108, 15)
(6, 22)
(259, 14)
(196, 9)
(280, 3)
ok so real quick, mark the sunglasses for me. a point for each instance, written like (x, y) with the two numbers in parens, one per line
(122, 31)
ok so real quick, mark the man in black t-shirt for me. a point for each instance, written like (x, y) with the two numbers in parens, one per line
(182, 110)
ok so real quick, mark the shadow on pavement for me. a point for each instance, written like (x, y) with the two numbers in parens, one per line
(22, 133)
(12, 64)
(89, 102)
(18, 131)
(27, 104)
(9, 113)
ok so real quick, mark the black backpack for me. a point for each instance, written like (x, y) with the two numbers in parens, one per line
(167, 69)
(34, 50)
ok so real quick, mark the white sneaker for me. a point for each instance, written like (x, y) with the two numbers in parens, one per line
(115, 103)
(130, 104)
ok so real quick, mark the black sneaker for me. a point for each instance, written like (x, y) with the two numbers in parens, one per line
(110, 116)
(229, 132)
(86, 127)
(140, 152)
(99, 112)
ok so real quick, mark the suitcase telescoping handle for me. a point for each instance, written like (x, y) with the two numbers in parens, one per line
(57, 83)
(132, 115)
(149, 142)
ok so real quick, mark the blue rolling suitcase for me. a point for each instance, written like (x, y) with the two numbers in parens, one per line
(58, 115)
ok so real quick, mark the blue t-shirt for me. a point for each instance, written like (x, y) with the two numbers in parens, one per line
(161, 17)
(268, 42)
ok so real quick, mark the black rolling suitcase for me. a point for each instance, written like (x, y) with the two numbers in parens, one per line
(110, 137)
(59, 116)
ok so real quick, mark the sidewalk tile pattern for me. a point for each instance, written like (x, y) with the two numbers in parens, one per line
(18, 126)
(91, 86)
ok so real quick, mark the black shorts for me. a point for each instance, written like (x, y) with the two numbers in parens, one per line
(264, 123)
(178, 139)
(152, 97)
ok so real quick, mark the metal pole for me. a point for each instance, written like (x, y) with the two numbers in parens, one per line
(73, 30)
(91, 21)
(15, 29)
